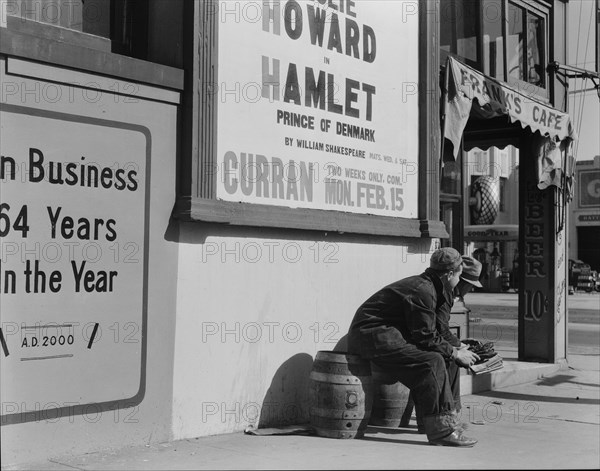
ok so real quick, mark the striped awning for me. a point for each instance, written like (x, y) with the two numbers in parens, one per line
(495, 98)
(468, 90)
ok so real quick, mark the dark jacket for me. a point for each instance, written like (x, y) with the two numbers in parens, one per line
(404, 312)
(443, 324)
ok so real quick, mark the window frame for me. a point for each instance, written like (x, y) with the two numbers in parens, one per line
(53, 32)
(73, 49)
(502, 181)
(540, 8)
(127, 34)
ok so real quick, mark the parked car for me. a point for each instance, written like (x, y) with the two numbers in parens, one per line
(582, 278)
(596, 279)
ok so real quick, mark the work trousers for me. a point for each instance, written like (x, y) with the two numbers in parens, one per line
(434, 384)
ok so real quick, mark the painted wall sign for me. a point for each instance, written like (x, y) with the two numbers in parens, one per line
(318, 104)
(492, 232)
(73, 222)
(589, 188)
(560, 292)
(589, 217)
(536, 262)
(536, 296)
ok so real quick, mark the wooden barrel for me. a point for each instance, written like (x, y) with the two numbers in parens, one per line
(392, 405)
(340, 395)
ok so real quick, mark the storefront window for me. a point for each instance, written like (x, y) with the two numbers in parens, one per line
(535, 50)
(451, 178)
(451, 215)
(493, 43)
(515, 42)
(474, 31)
(90, 16)
(130, 28)
(118, 26)
(459, 29)
(491, 206)
(451, 199)
(502, 206)
(525, 46)
(466, 30)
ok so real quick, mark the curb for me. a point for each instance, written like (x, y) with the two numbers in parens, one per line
(513, 373)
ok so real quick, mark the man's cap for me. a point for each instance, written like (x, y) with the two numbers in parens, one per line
(446, 258)
(471, 271)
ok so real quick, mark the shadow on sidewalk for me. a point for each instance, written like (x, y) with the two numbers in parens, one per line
(538, 398)
(285, 400)
(394, 441)
(392, 430)
(561, 379)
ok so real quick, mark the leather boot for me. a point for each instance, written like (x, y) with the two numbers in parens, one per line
(445, 429)
(458, 425)
(439, 425)
(456, 438)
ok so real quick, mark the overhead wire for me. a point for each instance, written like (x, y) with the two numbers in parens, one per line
(579, 108)
(578, 35)
(588, 38)
(580, 82)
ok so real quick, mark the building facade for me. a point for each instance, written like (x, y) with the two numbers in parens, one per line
(196, 196)
(584, 229)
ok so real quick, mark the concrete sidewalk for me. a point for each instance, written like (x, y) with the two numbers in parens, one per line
(538, 416)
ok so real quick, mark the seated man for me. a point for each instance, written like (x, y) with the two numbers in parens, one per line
(469, 277)
(397, 329)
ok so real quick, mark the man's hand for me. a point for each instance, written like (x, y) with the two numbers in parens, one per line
(465, 357)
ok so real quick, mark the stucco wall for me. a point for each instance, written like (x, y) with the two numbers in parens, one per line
(254, 307)
(55, 434)
(234, 317)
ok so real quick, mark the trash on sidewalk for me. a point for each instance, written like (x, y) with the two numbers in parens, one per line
(283, 430)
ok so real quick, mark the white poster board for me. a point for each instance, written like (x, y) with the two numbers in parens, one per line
(73, 221)
(317, 104)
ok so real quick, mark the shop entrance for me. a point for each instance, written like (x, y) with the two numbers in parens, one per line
(482, 113)
(491, 230)
(515, 229)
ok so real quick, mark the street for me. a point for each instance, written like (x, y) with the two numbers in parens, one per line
(493, 318)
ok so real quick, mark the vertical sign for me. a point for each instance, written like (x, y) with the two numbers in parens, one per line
(536, 297)
(318, 104)
(73, 222)
(560, 290)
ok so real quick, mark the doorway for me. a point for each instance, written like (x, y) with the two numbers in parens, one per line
(587, 246)
(491, 208)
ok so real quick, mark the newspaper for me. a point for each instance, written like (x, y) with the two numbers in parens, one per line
(491, 364)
